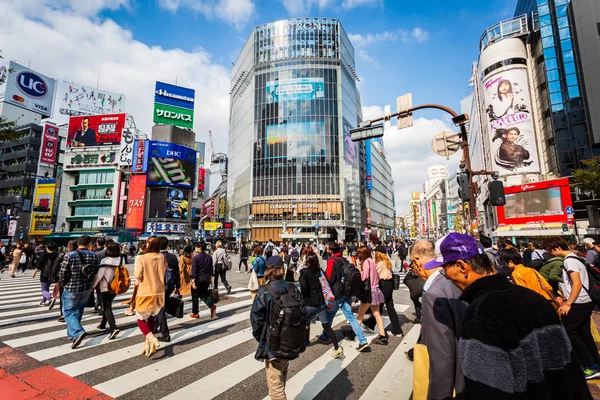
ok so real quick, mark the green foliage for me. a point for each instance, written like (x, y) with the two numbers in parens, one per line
(587, 178)
(7, 130)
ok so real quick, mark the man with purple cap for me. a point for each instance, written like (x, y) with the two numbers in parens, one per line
(443, 314)
(512, 344)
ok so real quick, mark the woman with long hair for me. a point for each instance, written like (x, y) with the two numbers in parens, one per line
(149, 276)
(104, 277)
(386, 284)
(185, 270)
(312, 294)
(372, 300)
(131, 301)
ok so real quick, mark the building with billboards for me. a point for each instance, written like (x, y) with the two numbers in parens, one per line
(296, 173)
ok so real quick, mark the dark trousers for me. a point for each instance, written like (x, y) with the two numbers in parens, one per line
(161, 319)
(577, 325)
(220, 271)
(387, 287)
(123, 257)
(417, 304)
(23, 267)
(60, 288)
(107, 313)
(402, 268)
(98, 305)
(245, 262)
(201, 293)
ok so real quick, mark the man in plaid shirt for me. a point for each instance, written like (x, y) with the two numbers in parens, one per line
(77, 288)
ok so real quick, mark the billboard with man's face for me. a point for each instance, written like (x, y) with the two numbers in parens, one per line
(95, 130)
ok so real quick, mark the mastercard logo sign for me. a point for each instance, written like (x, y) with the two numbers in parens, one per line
(18, 98)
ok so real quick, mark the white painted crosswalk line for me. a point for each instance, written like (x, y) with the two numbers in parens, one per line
(143, 376)
(395, 379)
(96, 362)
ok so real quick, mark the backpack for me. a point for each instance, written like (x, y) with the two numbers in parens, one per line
(349, 282)
(88, 271)
(593, 277)
(295, 256)
(227, 262)
(120, 283)
(169, 281)
(286, 330)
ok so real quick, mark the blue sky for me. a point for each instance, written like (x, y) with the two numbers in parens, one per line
(426, 48)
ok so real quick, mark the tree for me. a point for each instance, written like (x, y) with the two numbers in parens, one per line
(7, 128)
(588, 177)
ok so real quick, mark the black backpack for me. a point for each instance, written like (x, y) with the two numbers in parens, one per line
(349, 282)
(538, 263)
(295, 256)
(88, 271)
(286, 331)
(593, 277)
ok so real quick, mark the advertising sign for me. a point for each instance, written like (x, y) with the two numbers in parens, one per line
(415, 196)
(29, 89)
(12, 227)
(76, 99)
(545, 201)
(41, 218)
(368, 166)
(95, 130)
(126, 155)
(165, 227)
(173, 105)
(296, 140)
(200, 148)
(201, 178)
(105, 221)
(350, 147)
(212, 226)
(171, 165)
(165, 114)
(295, 89)
(222, 207)
(96, 158)
(141, 156)
(49, 148)
(510, 122)
(177, 204)
(136, 202)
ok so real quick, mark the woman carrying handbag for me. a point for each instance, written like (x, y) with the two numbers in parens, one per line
(372, 296)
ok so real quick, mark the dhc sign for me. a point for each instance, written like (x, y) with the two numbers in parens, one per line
(32, 84)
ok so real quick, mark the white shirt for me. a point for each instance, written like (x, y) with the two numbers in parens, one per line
(537, 254)
(573, 264)
(429, 280)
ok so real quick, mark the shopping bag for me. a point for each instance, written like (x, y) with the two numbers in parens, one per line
(253, 284)
(174, 306)
(56, 291)
(214, 294)
(421, 372)
(327, 292)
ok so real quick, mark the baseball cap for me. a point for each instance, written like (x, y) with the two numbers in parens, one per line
(454, 247)
(589, 241)
(381, 249)
(274, 261)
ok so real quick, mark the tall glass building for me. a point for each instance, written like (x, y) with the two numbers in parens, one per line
(293, 170)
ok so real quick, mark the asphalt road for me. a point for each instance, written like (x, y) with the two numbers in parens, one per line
(206, 358)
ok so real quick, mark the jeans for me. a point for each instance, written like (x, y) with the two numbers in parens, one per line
(345, 303)
(220, 271)
(577, 325)
(46, 296)
(73, 305)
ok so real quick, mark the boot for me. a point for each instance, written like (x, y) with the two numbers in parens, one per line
(145, 349)
(153, 344)
(213, 311)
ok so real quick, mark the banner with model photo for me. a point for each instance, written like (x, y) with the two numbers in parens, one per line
(295, 89)
(79, 99)
(95, 130)
(177, 204)
(350, 147)
(510, 122)
(171, 165)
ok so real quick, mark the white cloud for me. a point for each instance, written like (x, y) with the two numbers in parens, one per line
(363, 42)
(409, 154)
(80, 48)
(235, 12)
(304, 7)
(349, 4)
(419, 34)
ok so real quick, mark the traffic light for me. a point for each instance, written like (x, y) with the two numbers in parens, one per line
(497, 197)
(565, 227)
(463, 185)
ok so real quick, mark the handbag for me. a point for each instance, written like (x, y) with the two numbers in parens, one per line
(56, 291)
(327, 292)
(253, 284)
(421, 372)
(174, 306)
(214, 294)
(397, 278)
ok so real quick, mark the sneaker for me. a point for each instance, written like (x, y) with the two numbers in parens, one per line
(591, 373)
(113, 334)
(52, 303)
(393, 334)
(42, 304)
(101, 328)
(322, 340)
(337, 353)
(366, 328)
(61, 319)
(382, 340)
(194, 316)
(363, 347)
(77, 341)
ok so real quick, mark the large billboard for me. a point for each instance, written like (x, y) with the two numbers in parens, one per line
(74, 99)
(95, 130)
(177, 204)
(296, 139)
(49, 148)
(43, 203)
(295, 89)
(136, 200)
(510, 122)
(350, 147)
(173, 105)
(29, 89)
(171, 165)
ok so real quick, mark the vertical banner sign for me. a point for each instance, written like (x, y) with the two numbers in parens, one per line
(510, 122)
(49, 144)
(140, 154)
(173, 105)
(212, 206)
(368, 166)
(41, 219)
(135, 202)
(126, 157)
(201, 177)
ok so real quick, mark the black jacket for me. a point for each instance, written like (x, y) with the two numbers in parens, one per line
(310, 287)
(202, 268)
(45, 265)
(173, 265)
(513, 346)
(244, 253)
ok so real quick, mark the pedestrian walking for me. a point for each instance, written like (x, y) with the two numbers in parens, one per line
(202, 274)
(244, 253)
(185, 271)
(259, 265)
(131, 301)
(220, 266)
(76, 275)
(371, 298)
(124, 253)
(173, 265)
(29, 252)
(402, 252)
(71, 246)
(150, 299)
(18, 258)
(44, 266)
(103, 279)
(100, 252)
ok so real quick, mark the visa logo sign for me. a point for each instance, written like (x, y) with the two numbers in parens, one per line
(40, 107)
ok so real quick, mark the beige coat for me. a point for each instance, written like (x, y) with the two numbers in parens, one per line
(185, 272)
(150, 277)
